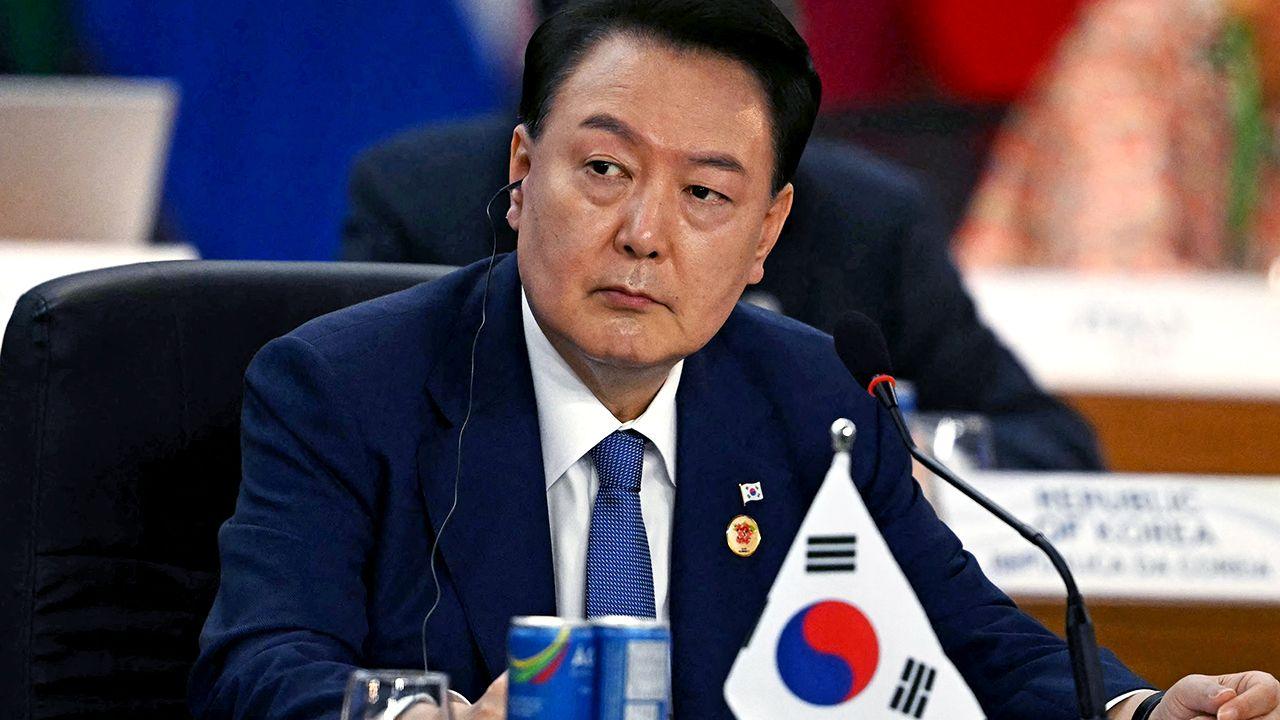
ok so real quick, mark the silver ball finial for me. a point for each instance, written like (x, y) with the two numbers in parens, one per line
(843, 432)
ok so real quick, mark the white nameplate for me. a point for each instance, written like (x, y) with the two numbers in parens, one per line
(1175, 537)
(1206, 335)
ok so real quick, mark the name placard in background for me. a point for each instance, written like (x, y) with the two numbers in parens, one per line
(1194, 335)
(1174, 537)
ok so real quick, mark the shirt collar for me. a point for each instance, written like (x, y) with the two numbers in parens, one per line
(571, 420)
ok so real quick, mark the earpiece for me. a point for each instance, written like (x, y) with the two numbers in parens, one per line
(471, 384)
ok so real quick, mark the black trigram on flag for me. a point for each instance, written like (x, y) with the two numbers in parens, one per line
(913, 688)
(831, 553)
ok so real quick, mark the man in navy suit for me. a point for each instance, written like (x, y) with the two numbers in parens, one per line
(585, 458)
(862, 235)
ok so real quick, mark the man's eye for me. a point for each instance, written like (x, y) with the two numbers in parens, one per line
(604, 167)
(706, 194)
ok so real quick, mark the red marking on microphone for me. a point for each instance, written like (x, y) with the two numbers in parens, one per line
(871, 386)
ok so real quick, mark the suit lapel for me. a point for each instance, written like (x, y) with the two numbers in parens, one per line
(726, 436)
(497, 548)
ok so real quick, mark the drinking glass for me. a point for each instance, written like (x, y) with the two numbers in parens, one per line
(389, 694)
(961, 441)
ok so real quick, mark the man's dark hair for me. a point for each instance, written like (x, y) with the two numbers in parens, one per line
(753, 32)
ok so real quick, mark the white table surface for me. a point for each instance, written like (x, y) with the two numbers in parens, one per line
(27, 263)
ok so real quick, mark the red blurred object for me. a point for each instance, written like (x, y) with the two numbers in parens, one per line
(988, 50)
(858, 47)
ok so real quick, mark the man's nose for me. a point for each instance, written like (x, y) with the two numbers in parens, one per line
(644, 228)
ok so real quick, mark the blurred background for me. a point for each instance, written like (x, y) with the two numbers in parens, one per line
(1105, 170)
(1107, 134)
(1105, 174)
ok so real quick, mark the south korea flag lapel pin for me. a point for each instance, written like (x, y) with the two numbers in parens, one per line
(751, 492)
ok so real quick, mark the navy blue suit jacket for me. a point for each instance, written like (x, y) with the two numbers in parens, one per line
(350, 430)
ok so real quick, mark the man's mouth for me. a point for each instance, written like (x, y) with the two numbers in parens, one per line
(624, 297)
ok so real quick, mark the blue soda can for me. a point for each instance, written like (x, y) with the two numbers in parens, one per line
(550, 669)
(633, 669)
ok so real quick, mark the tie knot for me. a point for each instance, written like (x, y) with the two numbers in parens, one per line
(619, 460)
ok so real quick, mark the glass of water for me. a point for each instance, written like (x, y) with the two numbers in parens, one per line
(961, 441)
(396, 695)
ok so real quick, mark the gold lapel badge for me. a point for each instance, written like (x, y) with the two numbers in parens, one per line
(743, 536)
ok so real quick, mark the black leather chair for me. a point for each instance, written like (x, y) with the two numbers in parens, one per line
(119, 459)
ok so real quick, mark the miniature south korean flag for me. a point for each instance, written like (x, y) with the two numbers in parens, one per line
(842, 634)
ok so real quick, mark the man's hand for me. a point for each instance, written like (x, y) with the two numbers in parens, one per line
(1250, 695)
(492, 706)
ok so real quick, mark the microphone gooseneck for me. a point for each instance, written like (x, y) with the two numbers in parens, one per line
(862, 348)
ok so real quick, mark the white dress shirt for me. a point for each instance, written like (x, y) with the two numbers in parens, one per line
(571, 421)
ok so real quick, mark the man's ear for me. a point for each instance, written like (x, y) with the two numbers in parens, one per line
(769, 231)
(518, 166)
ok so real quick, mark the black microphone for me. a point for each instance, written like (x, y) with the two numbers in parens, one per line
(862, 348)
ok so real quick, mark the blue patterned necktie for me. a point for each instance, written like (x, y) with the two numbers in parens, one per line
(619, 575)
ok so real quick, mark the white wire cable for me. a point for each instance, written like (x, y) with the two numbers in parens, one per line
(471, 386)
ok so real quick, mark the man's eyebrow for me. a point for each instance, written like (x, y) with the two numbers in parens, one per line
(719, 161)
(611, 125)
(614, 126)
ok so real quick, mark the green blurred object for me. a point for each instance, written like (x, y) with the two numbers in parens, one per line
(1240, 62)
(38, 38)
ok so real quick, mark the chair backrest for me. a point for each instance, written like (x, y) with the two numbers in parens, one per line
(119, 458)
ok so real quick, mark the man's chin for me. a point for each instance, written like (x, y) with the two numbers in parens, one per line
(628, 354)
(631, 360)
